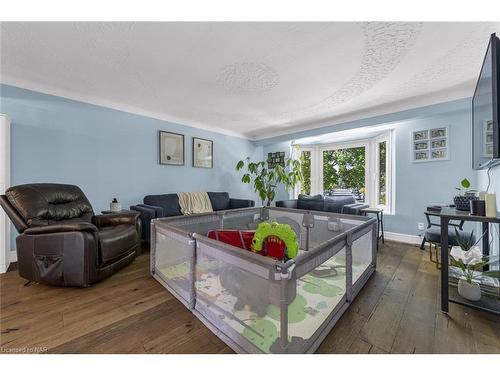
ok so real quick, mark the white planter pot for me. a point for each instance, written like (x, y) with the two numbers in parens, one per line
(470, 291)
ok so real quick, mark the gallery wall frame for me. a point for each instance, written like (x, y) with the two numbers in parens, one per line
(203, 153)
(171, 149)
(430, 144)
(274, 158)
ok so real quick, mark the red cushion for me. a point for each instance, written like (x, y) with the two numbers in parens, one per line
(273, 247)
(239, 238)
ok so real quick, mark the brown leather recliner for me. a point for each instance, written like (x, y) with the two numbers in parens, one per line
(61, 241)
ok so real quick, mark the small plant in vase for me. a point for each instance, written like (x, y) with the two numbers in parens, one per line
(462, 200)
(468, 257)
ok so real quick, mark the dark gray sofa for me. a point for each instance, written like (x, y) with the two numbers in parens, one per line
(166, 205)
(341, 204)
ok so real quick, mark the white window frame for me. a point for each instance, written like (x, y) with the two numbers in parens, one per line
(387, 137)
(372, 163)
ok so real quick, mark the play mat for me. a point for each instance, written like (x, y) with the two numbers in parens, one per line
(318, 293)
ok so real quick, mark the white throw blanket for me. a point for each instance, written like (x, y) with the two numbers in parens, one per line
(194, 203)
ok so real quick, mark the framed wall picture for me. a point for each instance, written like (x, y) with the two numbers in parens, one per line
(171, 148)
(274, 158)
(203, 153)
(430, 144)
(488, 139)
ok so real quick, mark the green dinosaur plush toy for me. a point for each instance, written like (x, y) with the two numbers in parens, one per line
(277, 237)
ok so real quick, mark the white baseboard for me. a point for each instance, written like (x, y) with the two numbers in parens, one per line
(12, 256)
(405, 238)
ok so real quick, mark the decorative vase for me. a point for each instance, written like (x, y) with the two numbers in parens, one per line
(470, 291)
(462, 202)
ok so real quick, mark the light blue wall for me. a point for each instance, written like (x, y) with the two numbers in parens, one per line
(417, 184)
(110, 153)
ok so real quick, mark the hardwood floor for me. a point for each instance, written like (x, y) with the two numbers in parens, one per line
(396, 312)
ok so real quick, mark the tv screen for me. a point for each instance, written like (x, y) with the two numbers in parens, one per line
(485, 128)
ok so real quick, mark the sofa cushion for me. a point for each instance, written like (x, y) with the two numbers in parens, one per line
(114, 242)
(220, 200)
(335, 203)
(169, 203)
(306, 202)
(433, 234)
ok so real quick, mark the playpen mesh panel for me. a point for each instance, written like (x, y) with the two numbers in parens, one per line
(174, 263)
(201, 224)
(237, 297)
(246, 220)
(320, 292)
(294, 219)
(362, 255)
(325, 229)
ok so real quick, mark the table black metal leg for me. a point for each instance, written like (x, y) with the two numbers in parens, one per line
(382, 225)
(485, 232)
(444, 264)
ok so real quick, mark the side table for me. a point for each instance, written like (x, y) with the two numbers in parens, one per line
(379, 212)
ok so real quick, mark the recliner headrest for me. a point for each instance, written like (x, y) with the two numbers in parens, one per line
(43, 204)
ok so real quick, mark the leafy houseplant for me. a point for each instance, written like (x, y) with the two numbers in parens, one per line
(462, 200)
(265, 180)
(467, 256)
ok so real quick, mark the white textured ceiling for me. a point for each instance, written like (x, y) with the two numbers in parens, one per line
(256, 80)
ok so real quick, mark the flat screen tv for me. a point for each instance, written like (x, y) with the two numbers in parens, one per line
(485, 110)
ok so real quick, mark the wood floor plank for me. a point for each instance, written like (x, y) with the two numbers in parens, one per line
(359, 346)
(453, 332)
(343, 334)
(417, 327)
(382, 325)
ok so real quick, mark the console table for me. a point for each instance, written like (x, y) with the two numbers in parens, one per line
(446, 215)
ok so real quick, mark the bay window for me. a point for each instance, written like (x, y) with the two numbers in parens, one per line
(361, 167)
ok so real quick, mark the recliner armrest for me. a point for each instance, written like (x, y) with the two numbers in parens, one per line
(110, 220)
(289, 203)
(240, 203)
(62, 227)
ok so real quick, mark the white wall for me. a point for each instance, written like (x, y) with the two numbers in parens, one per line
(4, 184)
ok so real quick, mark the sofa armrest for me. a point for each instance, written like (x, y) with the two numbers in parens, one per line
(354, 208)
(240, 203)
(111, 220)
(290, 203)
(62, 227)
(147, 213)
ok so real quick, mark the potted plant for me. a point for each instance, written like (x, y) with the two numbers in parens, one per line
(265, 180)
(462, 200)
(468, 257)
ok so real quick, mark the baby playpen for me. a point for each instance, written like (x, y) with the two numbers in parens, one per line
(257, 304)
